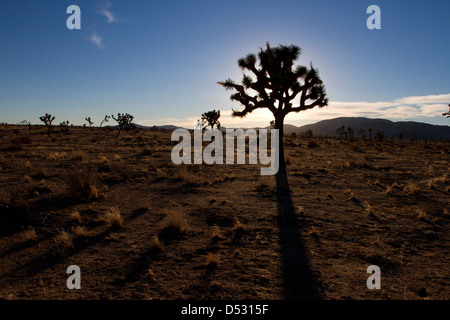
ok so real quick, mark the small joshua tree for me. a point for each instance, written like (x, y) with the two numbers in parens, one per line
(125, 121)
(447, 114)
(88, 119)
(212, 118)
(341, 131)
(105, 120)
(350, 132)
(47, 119)
(64, 123)
(362, 133)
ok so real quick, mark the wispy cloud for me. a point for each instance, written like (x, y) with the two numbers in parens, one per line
(107, 13)
(96, 39)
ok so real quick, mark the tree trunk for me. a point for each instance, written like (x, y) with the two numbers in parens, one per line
(279, 124)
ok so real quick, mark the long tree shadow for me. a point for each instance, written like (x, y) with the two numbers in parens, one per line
(298, 280)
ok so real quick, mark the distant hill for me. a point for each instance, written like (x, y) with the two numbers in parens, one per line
(327, 128)
(410, 129)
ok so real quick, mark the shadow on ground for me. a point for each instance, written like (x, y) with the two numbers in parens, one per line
(298, 280)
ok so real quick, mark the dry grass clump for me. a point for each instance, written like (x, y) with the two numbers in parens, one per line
(422, 215)
(188, 177)
(75, 216)
(388, 190)
(28, 235)
(411, 188)
(369, 210)
(103, 159)
(155, 246)
(79, 231)
(113, 218)
(28, 164)
(212, 260)
(79, 156)
(216, 234)
(82, 184)
(117, 158)
(314, 232)
(27, 178)
(351, 195)
(57, 156)
(174, 223)
(63, 241)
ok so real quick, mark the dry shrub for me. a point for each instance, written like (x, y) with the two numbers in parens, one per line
(117, 158)
(188, 177)
(103, 159)
(82, 183)
(28, 164)
(212, 260)
(216, 234)
(147, 151)
(174, 223)
(314, 232)
(75, 216)
(312, 144)
(238, 226)
(369, 210)
(28, 235)
(155, 246)
(411, 188)
(79, 155)
(63, 241)
(113, 218)
(79, 231)
(57, 156)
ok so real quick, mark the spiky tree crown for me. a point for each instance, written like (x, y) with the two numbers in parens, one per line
(278, 82)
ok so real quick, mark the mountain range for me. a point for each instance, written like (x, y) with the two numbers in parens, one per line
(327, 128)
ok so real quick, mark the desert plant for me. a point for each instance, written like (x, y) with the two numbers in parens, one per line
(447, 114)
(113, 218)
(341, 132)
(379, 135)
(277, 84)
(211, 118)
(362, 133)
(47, 119)
(64, 123)
(88, 119)
(350, 132)
(125, 121)
(106, 119)
(370, 135)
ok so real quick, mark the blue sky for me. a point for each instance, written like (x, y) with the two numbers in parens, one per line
(161, 60)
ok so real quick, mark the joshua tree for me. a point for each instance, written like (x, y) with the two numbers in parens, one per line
(370, 135)
(88, 119)
(447, 114)
(47, 119)
(125, 121)
(212, 118)
(341, 132)
(276, 86)
(362, 133)
(379, 135)
(64, 123)
(350, 132)
(105, 120)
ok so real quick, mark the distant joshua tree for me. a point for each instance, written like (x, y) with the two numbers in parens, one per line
(88, 119)
(350, 132)
(447, 114)
(26, 123)
(105, 120)
(341, 132)
(370, 135)
(272, 124)
(125, 121)
(212, 118)
(362, 133)
(64, 123)
(47, 119)
(276, 83)
(379, 135)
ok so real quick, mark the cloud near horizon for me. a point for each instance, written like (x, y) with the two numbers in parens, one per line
(407, 108)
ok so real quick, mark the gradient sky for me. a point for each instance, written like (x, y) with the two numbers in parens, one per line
(161, 60)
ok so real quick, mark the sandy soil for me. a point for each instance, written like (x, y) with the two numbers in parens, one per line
(140, 227)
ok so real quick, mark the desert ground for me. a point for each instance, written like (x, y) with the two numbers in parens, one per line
(141, 228)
